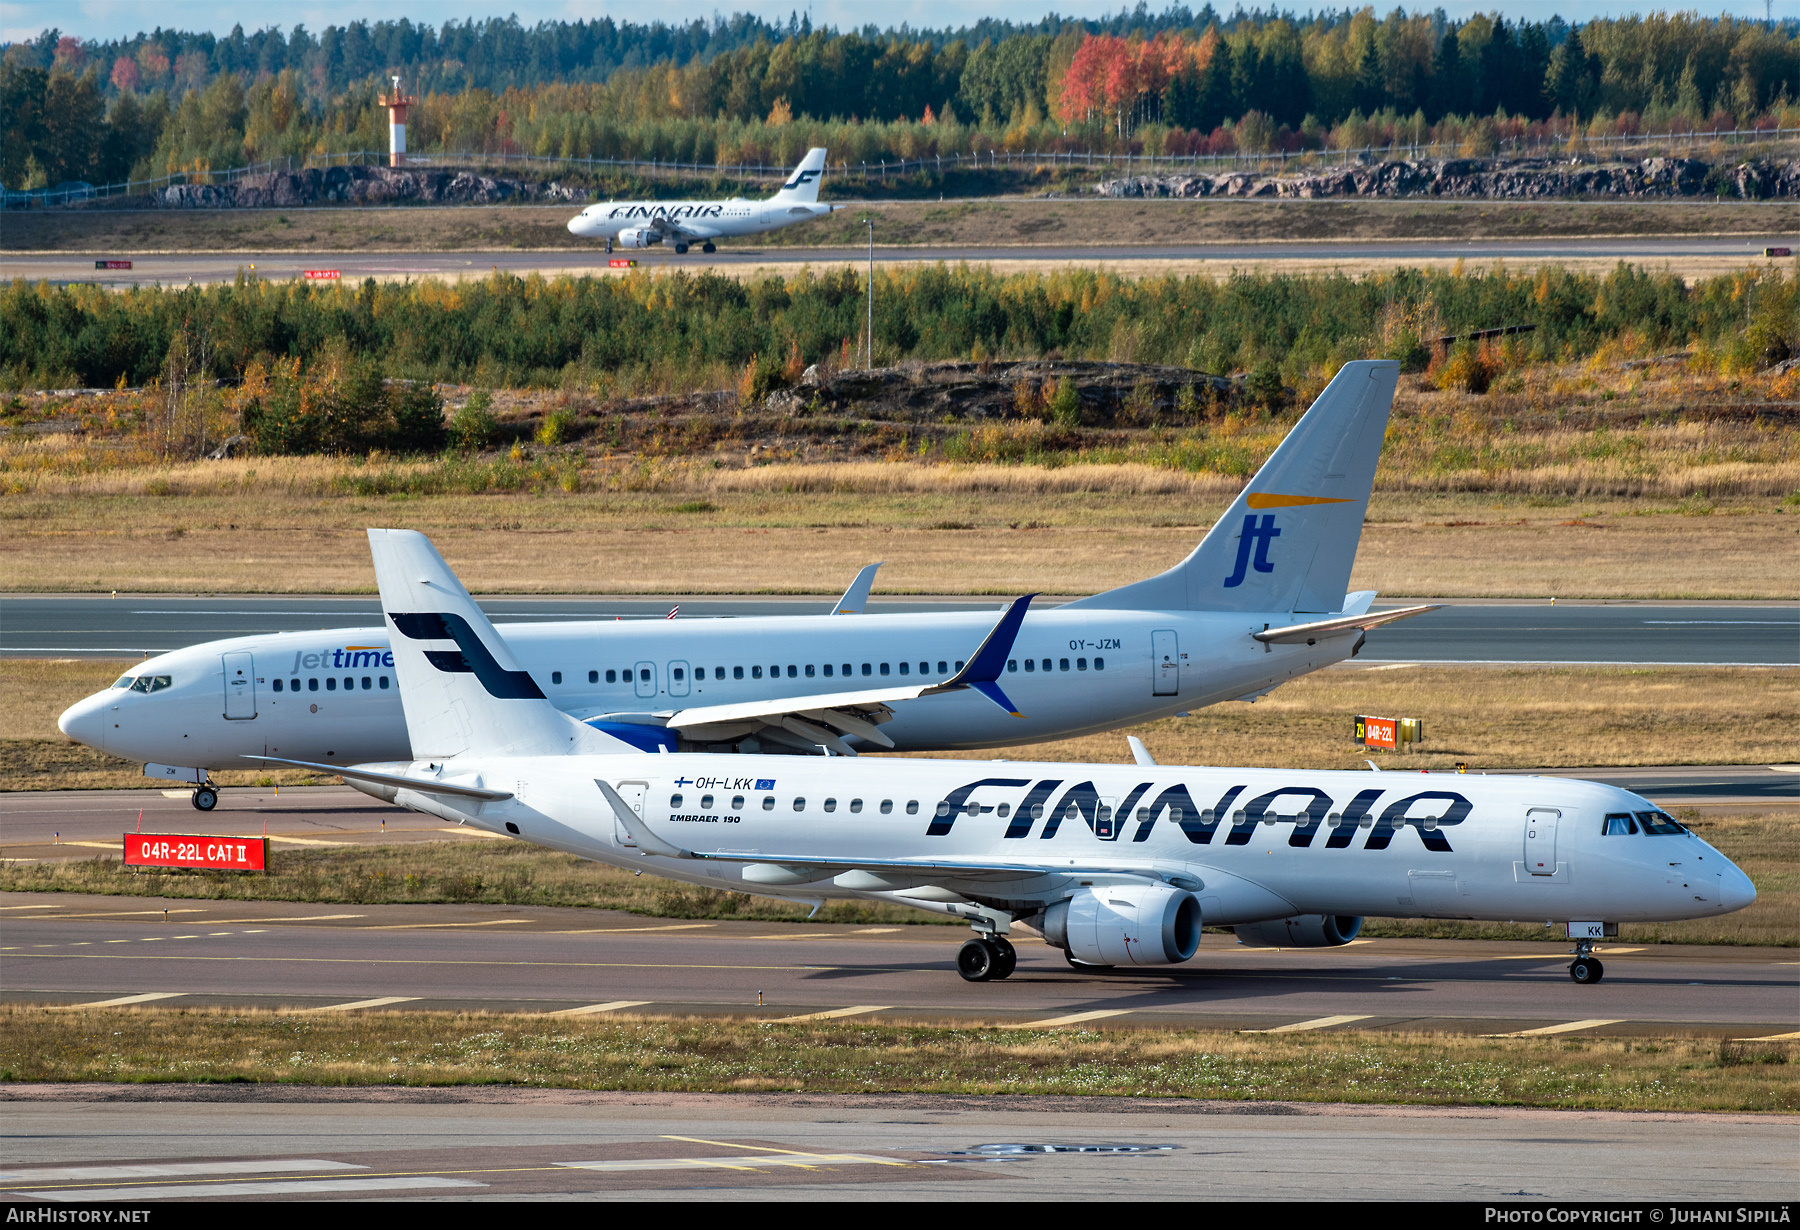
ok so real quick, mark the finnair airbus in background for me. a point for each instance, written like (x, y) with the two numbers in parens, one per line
(1260, 601)
(643, 224)
(1115, 865)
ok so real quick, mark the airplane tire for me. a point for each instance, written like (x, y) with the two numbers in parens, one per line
(206, 798)
(1082, 965)
(681, 249)
(708, 248)
(977, 961)
(1586, 971)
(1009, 958)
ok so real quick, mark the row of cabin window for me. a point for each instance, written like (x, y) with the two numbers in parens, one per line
(1103, 813)
(1655, 823)
(678, 674)
(331, 684)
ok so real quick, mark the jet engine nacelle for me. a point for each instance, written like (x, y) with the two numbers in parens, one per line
(1126, 924)
(1306, 931)
(638, 237)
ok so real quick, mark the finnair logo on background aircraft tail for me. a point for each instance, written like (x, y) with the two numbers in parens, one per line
(802, 178)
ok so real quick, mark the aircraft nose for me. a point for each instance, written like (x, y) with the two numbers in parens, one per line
(85, 720)
(1735, 890)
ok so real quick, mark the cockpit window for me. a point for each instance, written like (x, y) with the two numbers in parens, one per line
(1659, 824)
(125, 681)
(1619, 824)
(144, 683)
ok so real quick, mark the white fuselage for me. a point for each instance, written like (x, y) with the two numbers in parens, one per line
(703, 219)
(328, 696)
(1259, 844)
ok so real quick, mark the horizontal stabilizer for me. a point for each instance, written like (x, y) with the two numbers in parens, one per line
(404, 782)
(1331, 627)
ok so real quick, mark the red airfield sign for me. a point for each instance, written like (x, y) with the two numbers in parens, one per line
(197, 850)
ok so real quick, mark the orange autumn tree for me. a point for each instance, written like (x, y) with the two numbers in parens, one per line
(1122, 80)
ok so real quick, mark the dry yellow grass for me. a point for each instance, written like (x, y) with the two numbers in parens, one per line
(426, 1049)
(980, 530)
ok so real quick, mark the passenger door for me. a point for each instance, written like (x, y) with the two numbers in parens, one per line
(240, 686)
(1165, 663)
(1540, 840)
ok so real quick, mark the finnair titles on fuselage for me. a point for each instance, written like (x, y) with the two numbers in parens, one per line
(677, 224)
(1260, 601)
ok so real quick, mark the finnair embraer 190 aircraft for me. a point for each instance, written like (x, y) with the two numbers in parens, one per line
(1260, 601)
(1116, 865)
(643, 224)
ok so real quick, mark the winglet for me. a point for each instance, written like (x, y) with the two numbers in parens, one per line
(647, 841)
(856, 598)
(989, 661)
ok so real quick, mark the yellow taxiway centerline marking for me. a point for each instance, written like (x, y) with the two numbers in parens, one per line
(726, 1144)
(145, 998)
(1771, 1038)
(364, 1003)
(1564, 1028)
(97, 845)
(1073, 1018)
(605, 930)
(858, 1010)
(1323, 1022)
(466, 832)
(27, 907)
(616, 1005)
(492, 922)
(1611, 952)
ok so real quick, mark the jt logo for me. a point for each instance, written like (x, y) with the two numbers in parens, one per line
(1259, 535)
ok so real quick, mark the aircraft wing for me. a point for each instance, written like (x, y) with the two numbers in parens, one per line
(823, 719)
(1331, 627)
(674, 228)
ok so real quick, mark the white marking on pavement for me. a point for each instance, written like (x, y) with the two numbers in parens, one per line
(1073, 1018)
(282, 1187)
(858, 1010)
(877, 930)
(1323, 1022)
(365, 1003)
(52, 1174)
(606, 930)
(804, 935)
(804, 1161)
(1564, 1028)
(492, 922)
(145, 998)
(1771, 1038)
(616, 1005)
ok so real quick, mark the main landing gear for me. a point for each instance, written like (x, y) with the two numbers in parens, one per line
(987, 958)
(708, 247)
(681, 249)
(1586, 968)
(205, 797)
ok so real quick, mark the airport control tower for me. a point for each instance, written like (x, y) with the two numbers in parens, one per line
(396, 103)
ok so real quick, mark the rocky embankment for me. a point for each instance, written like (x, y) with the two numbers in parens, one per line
(362, 186)
(1487, 178)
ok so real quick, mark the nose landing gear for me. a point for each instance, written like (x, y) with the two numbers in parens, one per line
(609, 247)
(1586, 968)
(205, 797)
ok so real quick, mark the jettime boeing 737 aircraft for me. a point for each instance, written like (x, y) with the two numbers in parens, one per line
(1260, 601)
(1114, 865)
(643, 224)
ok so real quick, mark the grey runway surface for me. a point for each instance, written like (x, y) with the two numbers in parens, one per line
(73, 949)
(1744, 633)
(203, 267)
(462, 1144)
